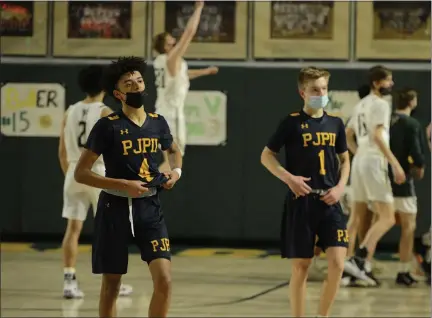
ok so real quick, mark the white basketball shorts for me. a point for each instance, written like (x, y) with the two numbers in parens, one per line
(405, 205)
(77, 198)
(369, 179)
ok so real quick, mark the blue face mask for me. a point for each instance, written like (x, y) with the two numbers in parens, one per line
(317, 102)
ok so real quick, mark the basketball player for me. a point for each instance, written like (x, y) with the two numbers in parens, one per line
(314, 141)
(369, 180)
(172, 77)
(405, 143)
(77, 198)
(129, 207)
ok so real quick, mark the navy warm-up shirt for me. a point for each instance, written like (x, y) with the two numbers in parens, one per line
(129, 151)
(311, 147)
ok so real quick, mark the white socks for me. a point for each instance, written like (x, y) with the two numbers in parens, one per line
(404, 267)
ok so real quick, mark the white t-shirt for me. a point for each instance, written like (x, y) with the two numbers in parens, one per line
(171, 91)
(369, 113)
(81, 117)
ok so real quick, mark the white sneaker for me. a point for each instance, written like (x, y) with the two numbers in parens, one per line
(125, 290)
(71, 290)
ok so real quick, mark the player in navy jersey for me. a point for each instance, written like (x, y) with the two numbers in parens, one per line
(316, 171)
(129, 209)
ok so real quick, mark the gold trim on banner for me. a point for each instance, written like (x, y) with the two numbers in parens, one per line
(236, 50)
(29, 45)
(333, 45)
(105, 48)
(380, 48)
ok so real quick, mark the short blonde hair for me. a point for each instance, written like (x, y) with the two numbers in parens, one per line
(311, 73)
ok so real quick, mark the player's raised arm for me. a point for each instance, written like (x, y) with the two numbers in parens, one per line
(62, 153)
(193, 74)
(176, 54)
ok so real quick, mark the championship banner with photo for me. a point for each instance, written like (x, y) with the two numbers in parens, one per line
(32, 109)
(301, 30)
(23, 27)
(206, 118)
(222, 31)
(399, 30)
(99, 28)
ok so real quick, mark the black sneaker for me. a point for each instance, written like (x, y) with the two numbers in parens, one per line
(405, 279)
(373, 277)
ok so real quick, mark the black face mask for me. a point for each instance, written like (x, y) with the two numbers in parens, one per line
(135, 99)
(385, 91)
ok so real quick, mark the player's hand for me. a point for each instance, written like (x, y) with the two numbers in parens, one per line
(135, 188)
(398, 174)
(173, 177)
(199, 4)
(298, 185)
(332, 196)
(212, 70)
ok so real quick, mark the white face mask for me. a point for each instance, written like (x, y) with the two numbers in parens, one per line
(317, 102)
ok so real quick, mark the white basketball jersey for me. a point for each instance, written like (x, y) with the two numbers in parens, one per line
(171, 91)
(370, 112)
(81, 117)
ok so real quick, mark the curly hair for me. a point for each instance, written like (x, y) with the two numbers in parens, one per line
(117, 69)
(90, 80)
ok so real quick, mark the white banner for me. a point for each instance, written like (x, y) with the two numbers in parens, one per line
(206, 118)
(32, 109)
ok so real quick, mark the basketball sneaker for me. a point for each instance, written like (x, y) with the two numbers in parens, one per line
(70, 287)
(405, 279)
(355, 266)
(125, 290)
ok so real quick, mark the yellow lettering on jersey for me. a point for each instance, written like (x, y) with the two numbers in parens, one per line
(342, 235)
(113, 117)
(155, 244)
(127, 144)
(295, 114)
(153, 115)
(306, 138)
(319, 139)
(164, 246)
(140, 145)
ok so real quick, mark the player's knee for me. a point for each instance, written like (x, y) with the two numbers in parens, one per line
(408, 226)
(74, 227)
(336, 264)
(301, 265)
(162, 284)
(111, 284)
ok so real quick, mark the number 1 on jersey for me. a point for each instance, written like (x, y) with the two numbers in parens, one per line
(321, 156)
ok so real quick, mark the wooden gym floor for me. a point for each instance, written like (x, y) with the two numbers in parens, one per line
(239, 284)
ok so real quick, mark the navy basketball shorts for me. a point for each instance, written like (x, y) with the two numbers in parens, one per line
(306, 218)
(113, 233)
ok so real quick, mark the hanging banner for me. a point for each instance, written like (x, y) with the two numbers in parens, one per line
(206, 118)
(32, 109)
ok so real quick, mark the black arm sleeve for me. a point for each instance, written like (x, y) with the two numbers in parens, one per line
(101, 137)
(281, 135)
(415, 147)
(341, 142)
(166, 138)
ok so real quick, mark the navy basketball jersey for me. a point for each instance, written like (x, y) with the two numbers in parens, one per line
(311, 147)
(129, 151)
